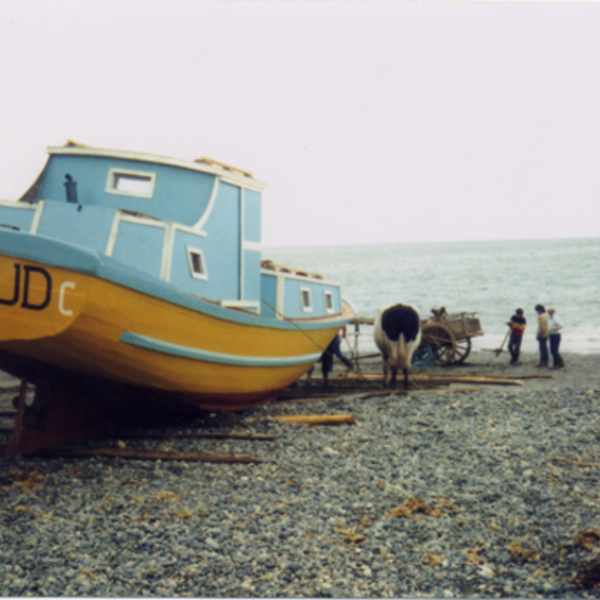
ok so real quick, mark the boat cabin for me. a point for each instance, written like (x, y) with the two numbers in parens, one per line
(195, 225)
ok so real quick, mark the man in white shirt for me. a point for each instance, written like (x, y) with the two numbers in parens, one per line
(554, 326)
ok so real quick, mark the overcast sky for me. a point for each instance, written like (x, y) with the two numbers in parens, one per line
(371, 122)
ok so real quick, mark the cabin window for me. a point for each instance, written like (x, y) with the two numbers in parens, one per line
(306, 300)
(139, 184)
(329, 302)
(196, 263)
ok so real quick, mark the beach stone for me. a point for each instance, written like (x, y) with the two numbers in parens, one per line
(484, 463)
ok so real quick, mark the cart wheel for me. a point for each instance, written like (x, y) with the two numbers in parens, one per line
(463, 349)
(442, 341)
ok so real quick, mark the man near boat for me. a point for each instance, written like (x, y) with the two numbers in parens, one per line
(517, 326)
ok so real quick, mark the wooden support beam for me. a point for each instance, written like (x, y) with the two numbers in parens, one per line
(486, 379)
(221, 435)
(143, 454)
(318, 419)
(376, 393)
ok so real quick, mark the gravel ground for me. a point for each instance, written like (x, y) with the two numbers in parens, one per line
(437, 493)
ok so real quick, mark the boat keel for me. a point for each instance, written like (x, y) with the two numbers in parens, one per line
(56, 416)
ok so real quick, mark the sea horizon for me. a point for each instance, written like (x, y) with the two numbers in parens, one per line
(431, 242)
(490, 277)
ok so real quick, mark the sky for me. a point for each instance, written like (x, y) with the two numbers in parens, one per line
(370, 121)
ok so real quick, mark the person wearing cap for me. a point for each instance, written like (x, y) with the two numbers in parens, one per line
(542, 334)
(555, 324)
(517, 326)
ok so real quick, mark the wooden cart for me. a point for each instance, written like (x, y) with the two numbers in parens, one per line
(448, 337)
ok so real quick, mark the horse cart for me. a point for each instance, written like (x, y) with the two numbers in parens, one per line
(447, 337)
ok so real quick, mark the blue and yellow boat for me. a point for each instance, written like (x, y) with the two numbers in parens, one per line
(130, 270)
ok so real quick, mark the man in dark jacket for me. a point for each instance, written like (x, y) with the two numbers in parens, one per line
(326, 360)
(517, 326)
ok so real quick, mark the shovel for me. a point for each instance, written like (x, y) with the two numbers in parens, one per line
(498, 351)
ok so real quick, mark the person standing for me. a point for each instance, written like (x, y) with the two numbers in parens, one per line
(555, 324)
(517, 326)
(542, 335)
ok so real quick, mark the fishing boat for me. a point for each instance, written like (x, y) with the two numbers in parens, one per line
(127, 275)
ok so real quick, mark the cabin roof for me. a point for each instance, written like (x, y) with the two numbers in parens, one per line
(223, 171)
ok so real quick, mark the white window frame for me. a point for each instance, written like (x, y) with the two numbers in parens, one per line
(189, 251)
(115, 172)
(305, 307)
(328, 300)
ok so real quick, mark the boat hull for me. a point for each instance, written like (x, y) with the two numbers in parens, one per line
(212, 357)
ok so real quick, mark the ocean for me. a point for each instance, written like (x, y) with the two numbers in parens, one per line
(492, 278)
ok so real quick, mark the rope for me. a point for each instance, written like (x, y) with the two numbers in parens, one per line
(288, 320)
(323, 350)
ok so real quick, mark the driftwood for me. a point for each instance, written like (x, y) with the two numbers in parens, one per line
(426, 376)
(221, 435)
(529, 376)
(355, 375)
(455, 390)
(443, 379)
(487, 379)
(318, 419)
(375, 393)
(462, 377)
(142, 454)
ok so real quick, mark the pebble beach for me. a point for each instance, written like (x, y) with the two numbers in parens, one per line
(461, 491)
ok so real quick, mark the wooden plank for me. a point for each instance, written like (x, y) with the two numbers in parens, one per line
(529, 376)
(435, 378)
(362, 321)
(166, 435)
(468, 379)
(452, 390)
(374, 394)
(317, 419)
(143, 454)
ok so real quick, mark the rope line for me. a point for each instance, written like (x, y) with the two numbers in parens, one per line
(323, 350)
